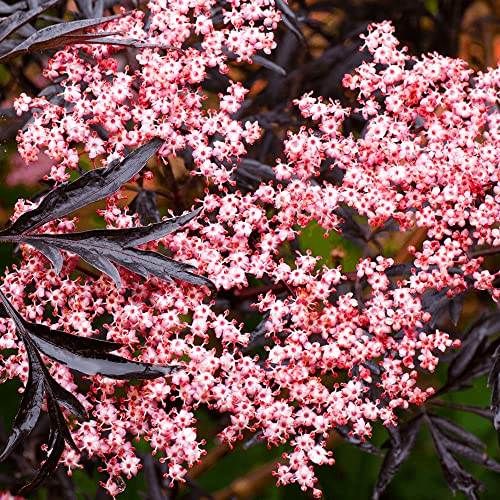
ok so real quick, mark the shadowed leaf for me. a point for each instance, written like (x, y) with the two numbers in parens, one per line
(290, 19)
(30, 409)
(101, 363)
(146, 206)
(472, 343)
(456, 476)
(266, 63)
(100, 248)
(19, 18)
(400, 447)
(57, 35)
(455, 308)
(91, 186)
(486, 413)
(470, 453)
(66, 399)
(90, 8)
(494, 383)
(58, 436)
(448, 426)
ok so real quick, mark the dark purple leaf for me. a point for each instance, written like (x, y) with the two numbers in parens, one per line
(57, 35)
(399, 451)
(154, 478)
(456, 476)
(58, 422)
(470, 453)
(91, 186)
(136, 236)
(495, 369)
(400, 269)
(455, 308)
(17, 19)
(80, 345)
(290, 19)
(86, 355)
(106, 39)
(435, 302)
(30, 408)
(12, 313)
(90, 8)
(9, 9)
(145, 204)
(102, 247)
(494, 383)
(101, 363)
(472, 343)
(255, 440)
(446, 426)
(266, 63)
(48, 467)
(258, 334)
(51, 253)
(482, 412)
(58, 436)
(251, 173)
(66, 399)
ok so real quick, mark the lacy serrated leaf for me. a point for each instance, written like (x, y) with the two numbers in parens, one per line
(399, 451)
(101, 363)
(290, 19)
(447, 426)
(91, 186)
(18, 19)
(456, 476)
(104, 248)
(100, 248)
(471, 453)
(30, 408)
(57, 439)
(86, 355)
(56, 35)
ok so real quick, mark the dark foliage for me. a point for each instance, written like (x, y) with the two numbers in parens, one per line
(401, 443)
(99, 248)
(102, 247)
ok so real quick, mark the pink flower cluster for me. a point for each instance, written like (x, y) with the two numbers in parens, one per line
(428, 159)
(159, 99)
